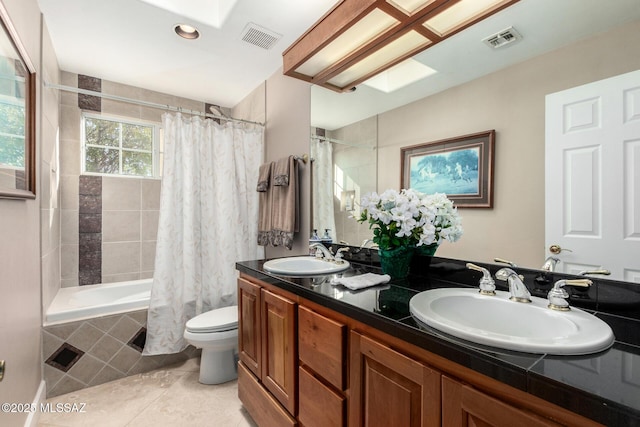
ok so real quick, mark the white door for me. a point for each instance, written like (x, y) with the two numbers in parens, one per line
(592, 176)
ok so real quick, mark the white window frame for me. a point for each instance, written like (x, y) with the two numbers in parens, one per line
(155, 149)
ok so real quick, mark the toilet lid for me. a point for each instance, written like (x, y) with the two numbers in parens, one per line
(218, 320)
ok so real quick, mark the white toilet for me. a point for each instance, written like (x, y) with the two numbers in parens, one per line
(216, 333)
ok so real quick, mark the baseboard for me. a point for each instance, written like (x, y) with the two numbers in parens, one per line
(40, 397)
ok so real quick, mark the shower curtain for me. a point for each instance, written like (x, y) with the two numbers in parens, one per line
(323, 216)
(208, 222)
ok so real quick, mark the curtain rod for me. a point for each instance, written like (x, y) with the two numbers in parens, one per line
(337, 141)
(145, 103)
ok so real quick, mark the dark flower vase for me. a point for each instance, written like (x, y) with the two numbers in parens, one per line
(422, 259)
(396, 262)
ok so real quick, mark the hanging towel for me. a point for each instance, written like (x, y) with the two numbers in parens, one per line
(285, 207)
(264, 176)
(281, 172)
(362, 281)
(265, 205)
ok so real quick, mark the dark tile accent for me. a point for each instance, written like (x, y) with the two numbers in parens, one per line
(90, 204)
(90, 185)
(89, 102)
(91, 260)
(90, 230)
(90, 223)
(89, 277)
(90, 242)
(138, 340)
(21, 182)
(321, 132)
(65, 357)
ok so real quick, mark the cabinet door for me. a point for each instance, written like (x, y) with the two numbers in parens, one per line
(464, 406)
(279, 352)
(390, 389)
(249, 330)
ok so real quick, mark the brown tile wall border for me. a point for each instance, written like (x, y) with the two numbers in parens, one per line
(89, 102)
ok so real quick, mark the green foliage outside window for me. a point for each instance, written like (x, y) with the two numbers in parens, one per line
(120, 148)
(12, 135)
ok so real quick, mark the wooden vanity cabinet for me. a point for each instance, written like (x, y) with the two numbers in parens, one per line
(268, 354)
(389, 388)
(304, 364)
(463, 406)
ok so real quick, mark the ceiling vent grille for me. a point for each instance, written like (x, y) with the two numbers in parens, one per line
(260, 36)
(502, 38)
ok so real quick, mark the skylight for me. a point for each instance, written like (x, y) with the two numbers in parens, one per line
(209, 12)
(401, 75)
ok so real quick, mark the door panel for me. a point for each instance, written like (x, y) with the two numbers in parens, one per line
(592, 176)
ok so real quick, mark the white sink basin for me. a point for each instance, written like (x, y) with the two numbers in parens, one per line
(304, 266)
(498, 322)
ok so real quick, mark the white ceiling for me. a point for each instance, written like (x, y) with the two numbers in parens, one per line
(132, 42)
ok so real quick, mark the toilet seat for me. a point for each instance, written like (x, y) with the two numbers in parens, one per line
(217, 320)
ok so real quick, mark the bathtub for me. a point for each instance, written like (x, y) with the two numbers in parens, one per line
(84, 302)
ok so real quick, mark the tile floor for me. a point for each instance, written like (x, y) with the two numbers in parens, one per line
(170, 396)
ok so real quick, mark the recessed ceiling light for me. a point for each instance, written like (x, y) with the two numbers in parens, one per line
(186, 31)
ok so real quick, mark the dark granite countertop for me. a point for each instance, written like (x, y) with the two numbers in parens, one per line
(604, 386)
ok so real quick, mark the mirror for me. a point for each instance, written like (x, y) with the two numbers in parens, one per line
(494, 89)
(344, 169)
(17, 116)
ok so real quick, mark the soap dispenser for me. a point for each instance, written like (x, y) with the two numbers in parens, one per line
(326, 238)
(314, 239)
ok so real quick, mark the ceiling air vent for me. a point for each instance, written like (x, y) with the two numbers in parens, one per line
(502, 38)
(259, 36)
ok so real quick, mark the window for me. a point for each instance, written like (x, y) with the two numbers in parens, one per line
(119, 147)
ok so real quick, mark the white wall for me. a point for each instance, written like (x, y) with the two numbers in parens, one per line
(20, 304)
(510, 101)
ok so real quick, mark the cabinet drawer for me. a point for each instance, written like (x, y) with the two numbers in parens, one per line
(263, 408)
(321, 346)
(319, 406)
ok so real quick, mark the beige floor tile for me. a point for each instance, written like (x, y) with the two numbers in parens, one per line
(115, 403)
(166, 397)
(187, 402)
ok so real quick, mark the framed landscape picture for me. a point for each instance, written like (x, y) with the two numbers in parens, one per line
(460, 167)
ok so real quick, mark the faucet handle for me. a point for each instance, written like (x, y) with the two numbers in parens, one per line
(487, 284)
(338, 257)
(505, 261)
(558, 295)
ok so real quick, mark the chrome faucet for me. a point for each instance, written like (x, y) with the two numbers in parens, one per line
(321, 251)
(338, 258)
(487, 284)
(558, 295)
(365, 242)
(550, 263)
(517, 288)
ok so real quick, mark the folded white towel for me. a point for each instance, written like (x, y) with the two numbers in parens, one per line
(361, 281)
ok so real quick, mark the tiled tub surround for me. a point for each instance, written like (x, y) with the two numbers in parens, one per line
(604, 386)
(94, 351)
(129, 206)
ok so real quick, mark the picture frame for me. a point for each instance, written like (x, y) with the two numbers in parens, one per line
(17, 115)
(461, 167)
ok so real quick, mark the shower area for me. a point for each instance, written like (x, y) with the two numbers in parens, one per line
(107, 239)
